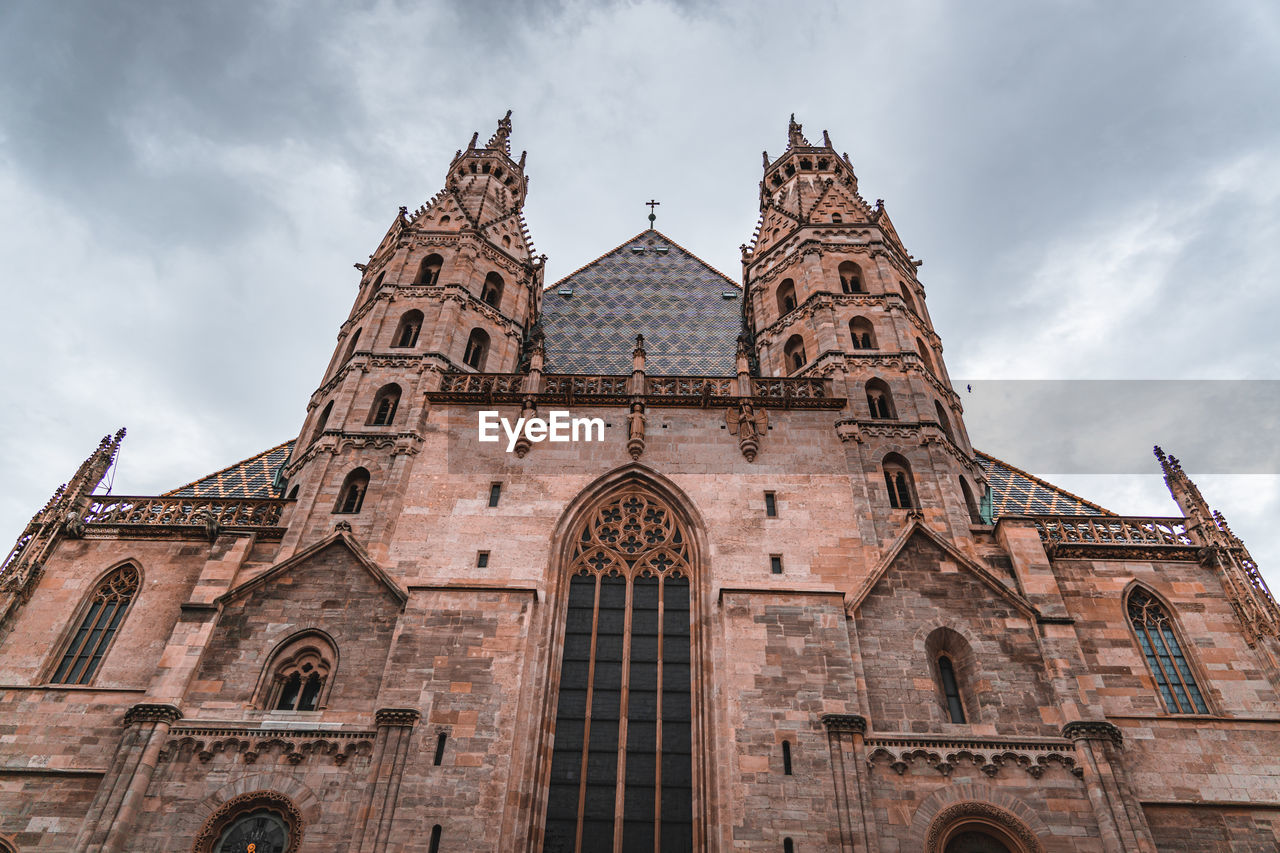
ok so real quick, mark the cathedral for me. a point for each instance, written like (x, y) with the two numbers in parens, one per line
(645, 559)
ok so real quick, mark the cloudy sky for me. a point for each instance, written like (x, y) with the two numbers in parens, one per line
(1094, 189)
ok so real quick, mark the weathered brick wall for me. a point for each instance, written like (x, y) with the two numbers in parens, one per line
(1210, 829)
(44, 811)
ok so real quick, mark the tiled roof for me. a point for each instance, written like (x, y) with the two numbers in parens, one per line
(1015, 492)
(251, 478)
(649, 286)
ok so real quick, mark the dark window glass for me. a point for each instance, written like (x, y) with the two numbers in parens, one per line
(495, 493)
(106, 611)
(441, 740)
(770, 505)
(434, 847)
(1174, 680)
(950, 689)
(775, 564)
(786, 757)
(482, 560)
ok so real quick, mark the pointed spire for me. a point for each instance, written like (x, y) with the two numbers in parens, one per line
(795, 139)
(501, 139)
(1185, 493)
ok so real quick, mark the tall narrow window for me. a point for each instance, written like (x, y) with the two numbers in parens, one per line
(622, 732)
(794, 353)
(950, 689)
(107, 608)
(775, 564)
(385, 403)
(850, 278)
(879, 400)
(434, 846)
(429, 271)
(862, 333)
(495, 493)
(441, 740)
(351, 497)
(1154, 630)
(787, 297)
(491, 293)
(923, 349)
(906, 296)
(351, 345)
(322, 421)
(897, 478)
(771, 504)
(407, 331)
(786, 758)
(788, 846)
(477, 349)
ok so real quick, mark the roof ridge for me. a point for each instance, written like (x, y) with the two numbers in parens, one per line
(1045, 483)
(245, 461)
(624, 244)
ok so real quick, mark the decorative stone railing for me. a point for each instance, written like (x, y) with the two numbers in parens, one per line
(244, 514)
(1113, 530)
(789, 392)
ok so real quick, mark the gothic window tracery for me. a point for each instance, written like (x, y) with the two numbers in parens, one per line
(107, 608)
(299, 674)
(253, 822)
(1153, 628)
(621, 770)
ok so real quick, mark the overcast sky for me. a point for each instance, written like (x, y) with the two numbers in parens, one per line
(1094, 189)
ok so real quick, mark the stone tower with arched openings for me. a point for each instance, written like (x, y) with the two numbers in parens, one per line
(830, 291)
(454, 286)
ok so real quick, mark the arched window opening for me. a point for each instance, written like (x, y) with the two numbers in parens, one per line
(880, 400)
(299, 673)
(322, 421)
(441, 740)
(906, 296)
(850, 278)
(385, 403)
(107, 608)
(627, 622)
(793, 353)
(1154, 629)
(897, 477)
(351, 346)
(950, 689)
(925, 356)
(837, 218)
(258, 821)
(429, 270)
(943, 421)
(491, 293)
(407, 331)
(293, 493)
(970, 503)
(377, 283)
(351, 497)
(477, 349)
(786, 758)
(787, 301)
(788, 846)
(434, 845)
(863, 333)
(975, 841)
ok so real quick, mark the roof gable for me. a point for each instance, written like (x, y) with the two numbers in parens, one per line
(300, 559)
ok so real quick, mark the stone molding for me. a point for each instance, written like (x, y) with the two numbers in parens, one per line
(987, 754)
(852, 723)
(152, 712)
(246, 803)
(397, 716)
(291, 745)
(1093, 730)
(985, 812)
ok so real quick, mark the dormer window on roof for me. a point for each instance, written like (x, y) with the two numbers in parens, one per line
(639, 250)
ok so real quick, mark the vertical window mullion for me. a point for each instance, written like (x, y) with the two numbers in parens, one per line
(86, 651)
(82, 634)
(104, 640)
(586, 724)
(624, 696)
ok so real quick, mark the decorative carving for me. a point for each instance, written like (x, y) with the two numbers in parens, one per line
(246, 804)
(227, 513)
(209, 520)
(987, 754)
(748, 425)
(1093, 730)
(342, 527)
(151, 712)
(853, 723)
(635, 430)
(946, 820)
(396, 716)
(73, 525)
(633, 534)
(289, 745)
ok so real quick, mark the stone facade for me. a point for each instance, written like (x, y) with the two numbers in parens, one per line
(373, 654)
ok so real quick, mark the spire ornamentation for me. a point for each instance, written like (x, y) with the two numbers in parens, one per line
(795, 138)
(501, 139)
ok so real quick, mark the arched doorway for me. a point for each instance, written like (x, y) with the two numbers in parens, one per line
(621, 765)
(977, 827)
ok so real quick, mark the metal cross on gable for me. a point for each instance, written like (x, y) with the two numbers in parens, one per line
(652, 216)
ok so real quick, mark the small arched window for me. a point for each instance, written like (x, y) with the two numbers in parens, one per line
(950, 689)
(850, 278)
(943, 421)
(793, 352)
(925, 356)
(300, 673)
(491, 293)
(837, 218)
(322, 421)
(351, 497)
(954, 665)
(971, 504)
(787, 297)
(477, 349)
(897, 478)
(1154, 629)
(407, 331)
(879, 400)
(385, 403)
(107, 608)
(429, 270)
(377, 283)
(351, 346)
(906, 296)
(863, 333)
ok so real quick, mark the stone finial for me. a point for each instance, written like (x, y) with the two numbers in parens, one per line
(500, 141)
(795, 138)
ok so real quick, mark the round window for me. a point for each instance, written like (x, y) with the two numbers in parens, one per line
(261, 831)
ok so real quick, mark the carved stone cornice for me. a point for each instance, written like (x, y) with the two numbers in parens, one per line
(397, 716)
(152, 712)
(1093, 730)
(335, 441)
(850, 723)
(989, 755)
(261, 745)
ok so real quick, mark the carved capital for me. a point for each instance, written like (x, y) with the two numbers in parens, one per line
(852, 723)
(396, 716)
(152, 712)
(1093, 730)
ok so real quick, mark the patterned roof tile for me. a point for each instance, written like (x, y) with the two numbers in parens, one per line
(251, 478)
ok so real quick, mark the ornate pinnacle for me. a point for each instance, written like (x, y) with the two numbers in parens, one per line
(795, 138)
(500, 141)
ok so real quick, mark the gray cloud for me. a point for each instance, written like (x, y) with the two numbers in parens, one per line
(1094, 187)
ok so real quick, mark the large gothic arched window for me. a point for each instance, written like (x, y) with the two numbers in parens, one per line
(1154, 630)
(107, 607)
(621, 769)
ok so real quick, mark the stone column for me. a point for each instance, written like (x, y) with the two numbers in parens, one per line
(109, 822)
(1121, 822)
(846, 734)
(395, 728)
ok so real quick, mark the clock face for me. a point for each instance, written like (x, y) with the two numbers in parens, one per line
(258, 832)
